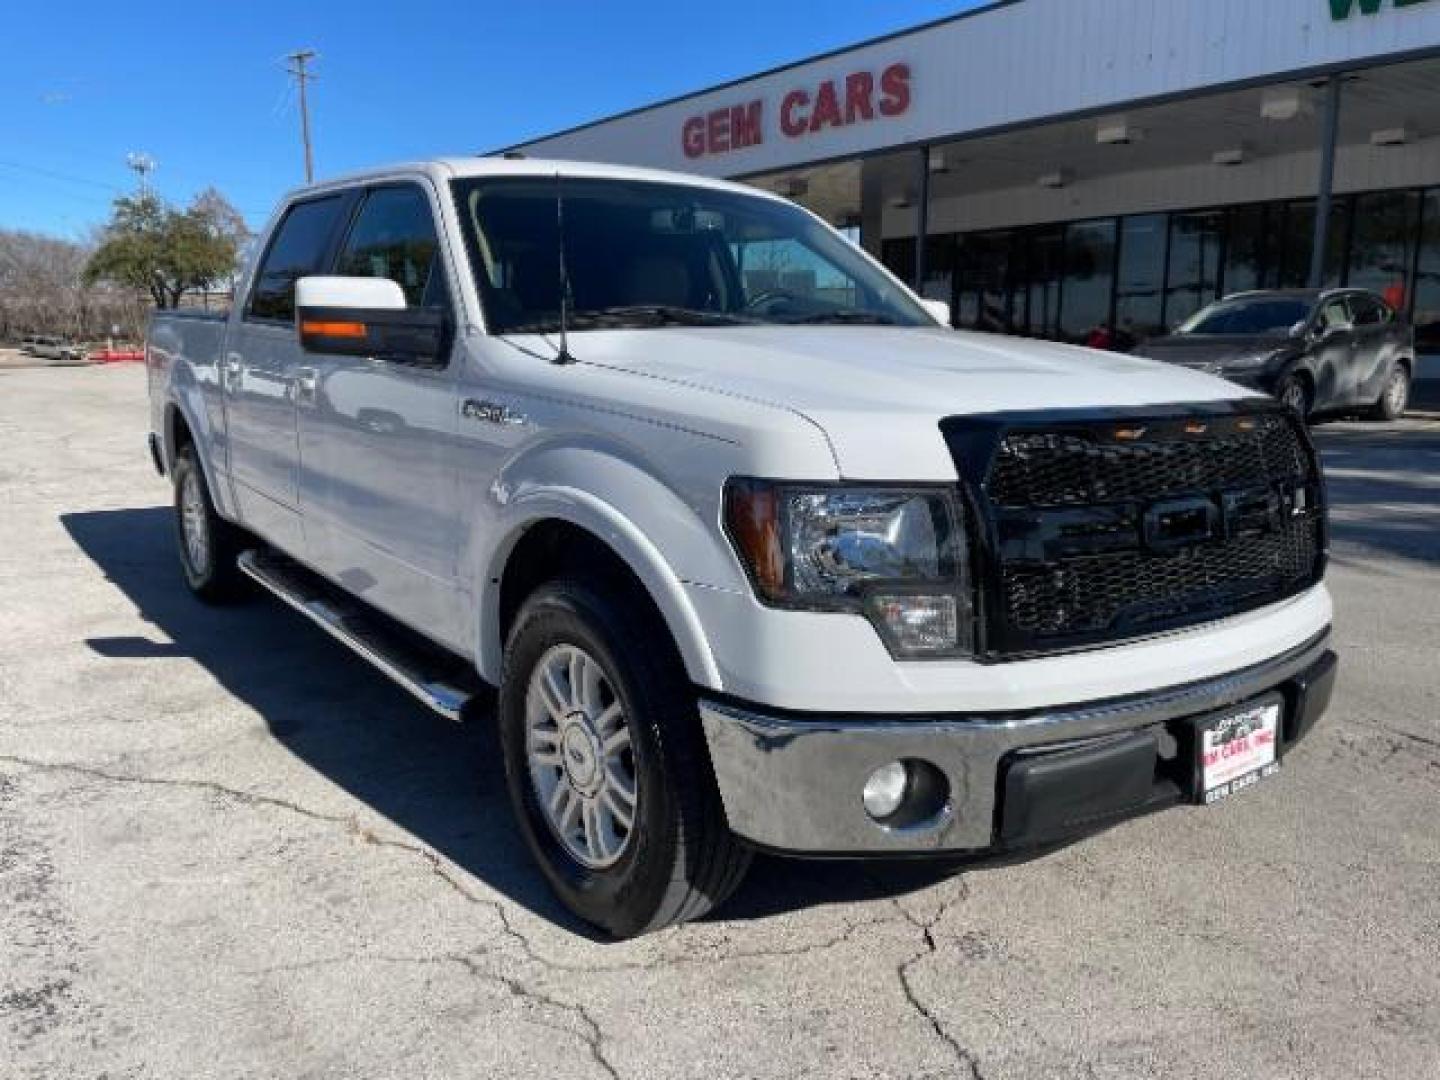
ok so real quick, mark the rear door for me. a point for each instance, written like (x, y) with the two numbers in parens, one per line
(262, 355)
(1334, 354)
(1374, 347)
(377, 435)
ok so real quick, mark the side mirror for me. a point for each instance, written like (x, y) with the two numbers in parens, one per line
(365, 316)
(1300, 329)
(938, 310)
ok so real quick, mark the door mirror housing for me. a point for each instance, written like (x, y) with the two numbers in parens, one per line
(938, 310)
(366, 316)
(1300, 329)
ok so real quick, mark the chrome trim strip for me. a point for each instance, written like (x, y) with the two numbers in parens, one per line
(449, 701)
(792, 782)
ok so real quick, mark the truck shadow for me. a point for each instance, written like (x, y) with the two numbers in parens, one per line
(442, 783)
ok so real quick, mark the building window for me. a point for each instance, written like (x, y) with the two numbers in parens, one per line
(983, 282)
(1045, 277)
(1089, 278)
(1297, 242)
(1383, 247)
(1139, 296)
(1194, 277)
(1251, 255)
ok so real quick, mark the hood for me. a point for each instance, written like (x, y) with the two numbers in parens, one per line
(1211, 352)
(879, 393)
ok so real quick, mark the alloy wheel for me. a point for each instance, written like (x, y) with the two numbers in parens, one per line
(580, 757)
(1397, 394)
(195, 523)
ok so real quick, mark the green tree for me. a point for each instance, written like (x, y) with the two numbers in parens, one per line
(151, 246)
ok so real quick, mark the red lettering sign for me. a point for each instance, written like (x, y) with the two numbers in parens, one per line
(791, 122)
(858, 98)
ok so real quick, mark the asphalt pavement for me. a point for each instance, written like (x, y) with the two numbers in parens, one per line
(230, 849)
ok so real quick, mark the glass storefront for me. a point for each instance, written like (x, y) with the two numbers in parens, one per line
(1139, 274)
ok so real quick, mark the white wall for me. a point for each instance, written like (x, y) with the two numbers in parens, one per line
(1022, 62)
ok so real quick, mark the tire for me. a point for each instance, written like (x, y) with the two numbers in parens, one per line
(1295, 392)
(208, 545)
(1395, 398)
(677, 859)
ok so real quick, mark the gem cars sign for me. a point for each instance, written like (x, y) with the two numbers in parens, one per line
(861, 97)
(1343, 9)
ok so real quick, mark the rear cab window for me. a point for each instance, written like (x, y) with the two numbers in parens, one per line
(299, 248)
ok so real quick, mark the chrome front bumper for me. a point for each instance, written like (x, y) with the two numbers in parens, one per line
(792, 782)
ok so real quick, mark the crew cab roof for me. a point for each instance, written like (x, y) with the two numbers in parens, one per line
(451, 168)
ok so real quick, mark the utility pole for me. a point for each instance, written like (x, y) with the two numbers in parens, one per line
(298, 60)
(142, 165)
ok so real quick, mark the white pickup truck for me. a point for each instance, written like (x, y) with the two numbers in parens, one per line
(759, 553)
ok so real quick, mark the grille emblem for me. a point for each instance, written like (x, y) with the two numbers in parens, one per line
(1181, 523)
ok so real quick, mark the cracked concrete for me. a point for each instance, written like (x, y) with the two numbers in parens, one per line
(229, 849)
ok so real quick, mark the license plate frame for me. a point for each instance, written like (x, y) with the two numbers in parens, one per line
(1236, 749)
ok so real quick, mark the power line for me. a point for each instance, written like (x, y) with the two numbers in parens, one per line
(52, 174)
(299, 59)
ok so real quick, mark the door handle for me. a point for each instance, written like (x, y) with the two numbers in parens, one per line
(233, 372)
(305, 383)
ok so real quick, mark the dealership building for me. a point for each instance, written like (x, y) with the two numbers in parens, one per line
(1074, 164)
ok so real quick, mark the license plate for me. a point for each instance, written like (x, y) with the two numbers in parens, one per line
(1238, 750)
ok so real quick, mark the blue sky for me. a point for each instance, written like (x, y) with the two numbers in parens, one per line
(202, 88)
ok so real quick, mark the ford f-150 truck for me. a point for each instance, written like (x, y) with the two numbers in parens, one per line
(759, 553)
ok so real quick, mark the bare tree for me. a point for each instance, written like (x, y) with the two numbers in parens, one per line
(43, 291)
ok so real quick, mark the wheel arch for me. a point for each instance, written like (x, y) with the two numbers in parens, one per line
(558, 531)
(186, 425)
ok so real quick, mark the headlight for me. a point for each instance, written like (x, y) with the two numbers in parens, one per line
(1252, 362)
(897, 555)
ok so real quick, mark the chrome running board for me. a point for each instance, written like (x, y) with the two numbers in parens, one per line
(437, 678)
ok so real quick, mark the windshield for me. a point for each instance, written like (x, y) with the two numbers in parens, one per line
(643, 254)
(1248, 316)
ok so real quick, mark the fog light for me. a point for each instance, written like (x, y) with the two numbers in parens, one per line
(886, 789)
(919, 625)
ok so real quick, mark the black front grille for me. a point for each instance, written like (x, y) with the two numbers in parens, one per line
(1077, 468)
(1098, 529)
(1134, 592)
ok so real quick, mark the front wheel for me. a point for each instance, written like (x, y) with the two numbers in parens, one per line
(1294, 395)
(1395, 398)
(606, 763)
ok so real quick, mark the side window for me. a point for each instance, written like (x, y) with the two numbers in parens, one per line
(1369, 311)
(394, 237)
(298, 249)
(1333, 314)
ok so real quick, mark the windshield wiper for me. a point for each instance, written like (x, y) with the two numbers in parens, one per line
(633, 316)
(655, 315)
(846, 316)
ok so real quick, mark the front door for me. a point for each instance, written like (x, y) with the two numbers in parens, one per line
(377, 437)
(262, 355)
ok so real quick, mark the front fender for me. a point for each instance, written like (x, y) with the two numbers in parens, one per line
(665, 539)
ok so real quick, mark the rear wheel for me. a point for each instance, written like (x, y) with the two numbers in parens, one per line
(208, 544)
(606, 762)
(1294, 394)
(1395, 398)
